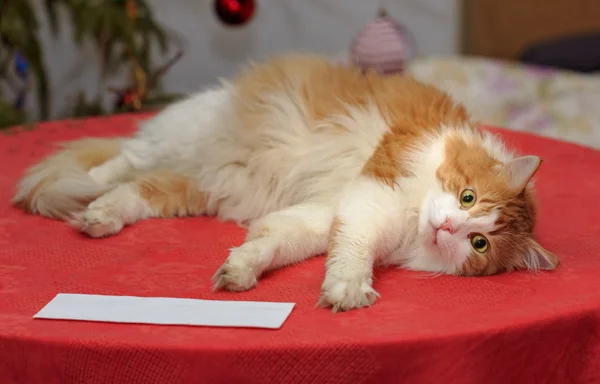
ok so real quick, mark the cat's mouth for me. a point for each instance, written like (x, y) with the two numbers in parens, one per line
(434, 240)
(437, 235)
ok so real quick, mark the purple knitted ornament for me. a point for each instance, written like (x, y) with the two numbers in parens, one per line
(383, 45)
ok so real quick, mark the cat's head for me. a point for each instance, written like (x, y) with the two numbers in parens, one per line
(478, 216)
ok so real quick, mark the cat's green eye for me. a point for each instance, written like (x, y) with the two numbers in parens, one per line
(467, 198)
(479, 243)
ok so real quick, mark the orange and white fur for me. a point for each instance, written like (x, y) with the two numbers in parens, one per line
(315, 157)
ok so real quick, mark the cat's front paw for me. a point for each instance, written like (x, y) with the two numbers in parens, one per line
(344, 295)
(236, 274)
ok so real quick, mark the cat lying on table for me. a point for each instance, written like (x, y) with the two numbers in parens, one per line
(316, 157)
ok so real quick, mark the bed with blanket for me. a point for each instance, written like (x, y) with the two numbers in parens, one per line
(551, 102)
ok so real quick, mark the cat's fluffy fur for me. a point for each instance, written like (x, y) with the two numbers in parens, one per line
(316, 157)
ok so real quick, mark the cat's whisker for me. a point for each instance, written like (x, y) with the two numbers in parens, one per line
(431, 275)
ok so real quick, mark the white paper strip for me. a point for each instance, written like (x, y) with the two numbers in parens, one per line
(164, 310)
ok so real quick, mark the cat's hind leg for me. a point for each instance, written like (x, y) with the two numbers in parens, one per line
(158, 193)
(113, 170)
(135, 155)
(278, 239)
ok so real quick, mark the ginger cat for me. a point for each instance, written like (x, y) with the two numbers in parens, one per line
(316, 157)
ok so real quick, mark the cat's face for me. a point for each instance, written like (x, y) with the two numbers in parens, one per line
(478, 218)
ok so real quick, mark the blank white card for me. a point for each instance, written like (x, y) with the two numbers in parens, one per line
(165, 310)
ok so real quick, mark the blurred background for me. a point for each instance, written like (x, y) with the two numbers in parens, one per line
(524, 65)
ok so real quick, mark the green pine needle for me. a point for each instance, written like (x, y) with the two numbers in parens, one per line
(19, 26)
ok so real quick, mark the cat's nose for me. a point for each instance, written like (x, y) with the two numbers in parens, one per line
(447, 226)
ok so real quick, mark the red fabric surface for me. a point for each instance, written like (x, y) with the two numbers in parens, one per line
(516, 327)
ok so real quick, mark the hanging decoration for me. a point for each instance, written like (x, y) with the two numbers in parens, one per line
(383, 45)
(235, 13)
(132, 98)
(139, 75)
(21, 68)
(125, 32)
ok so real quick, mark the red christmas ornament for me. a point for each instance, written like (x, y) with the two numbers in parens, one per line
(235, 12)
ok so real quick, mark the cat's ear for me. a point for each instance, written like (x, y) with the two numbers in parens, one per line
(538, 258)
(520, 170)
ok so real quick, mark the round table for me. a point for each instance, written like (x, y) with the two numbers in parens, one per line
(517, 327)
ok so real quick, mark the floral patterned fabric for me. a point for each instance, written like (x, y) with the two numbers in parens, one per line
(553, 103)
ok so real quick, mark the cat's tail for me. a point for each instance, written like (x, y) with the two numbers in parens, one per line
(60, 185)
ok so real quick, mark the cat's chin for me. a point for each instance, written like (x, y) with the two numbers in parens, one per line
(430, 261)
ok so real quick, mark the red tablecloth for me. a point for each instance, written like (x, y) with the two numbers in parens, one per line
(509, 328)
